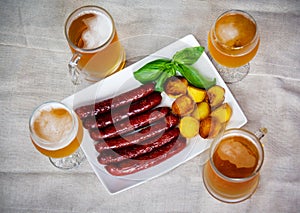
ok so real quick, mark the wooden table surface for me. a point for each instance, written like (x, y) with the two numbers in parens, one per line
(33, 69)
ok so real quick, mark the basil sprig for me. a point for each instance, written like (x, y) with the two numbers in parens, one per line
(188, 56)
(194, 77)
(151, 71)
(160, 70)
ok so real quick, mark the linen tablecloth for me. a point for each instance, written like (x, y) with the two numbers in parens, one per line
(33, 69)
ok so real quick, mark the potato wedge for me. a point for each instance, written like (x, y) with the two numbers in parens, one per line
(183, 105)
(176, 86)
(202, 110)
(210, 127)
(196, 94)
(223, 113)
(189, 127)
(215, 95)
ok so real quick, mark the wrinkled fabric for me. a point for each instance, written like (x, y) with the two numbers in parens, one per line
(33, 69)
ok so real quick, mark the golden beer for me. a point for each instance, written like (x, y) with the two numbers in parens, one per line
(233, 40)
(55, 130)
(94, 42)
(232, 172)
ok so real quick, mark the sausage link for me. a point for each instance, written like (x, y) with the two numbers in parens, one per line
(123, 112)
(117, 155)
(130, 124)
(117, 101)
(130, 166)
(154, 130)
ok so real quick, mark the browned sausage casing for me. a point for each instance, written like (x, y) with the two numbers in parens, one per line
(130, 166)
(130, 124)
(117, 155)
(123, 112)
(154, 130)
(117, 101)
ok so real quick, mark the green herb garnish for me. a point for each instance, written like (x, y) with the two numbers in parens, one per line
(160, 70)
(188, 56)
(151, 71)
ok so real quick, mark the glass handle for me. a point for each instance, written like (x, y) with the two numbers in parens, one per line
(261, 132)
(74, 70)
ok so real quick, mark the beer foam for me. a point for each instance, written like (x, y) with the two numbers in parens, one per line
(99, 30)
(229, 34)
(235, 30)
(236, 153)
(53, 126)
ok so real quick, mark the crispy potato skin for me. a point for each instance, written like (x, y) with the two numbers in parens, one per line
(223, 113)
(203, 110)
(216, 95)
(197, 94)
(210, 127)
(183, 105)
(176, 86)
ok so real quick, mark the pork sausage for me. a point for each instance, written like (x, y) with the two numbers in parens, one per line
(130, 166)
(154, 130)
(123, 112)
(117, 101)
(130, 124)
(117, 155)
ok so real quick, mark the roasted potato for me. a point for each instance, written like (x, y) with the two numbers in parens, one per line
(176, 86)
(189, 127)
(202, 110)
(210, 127)
(223, 113)
(215, 95)
(183, 105)
(196, 94)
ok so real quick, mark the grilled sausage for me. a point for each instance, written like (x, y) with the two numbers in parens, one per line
(154, 130)
(130, 166)
(130, 124)
(117, 101)
(117, 155)
(123, 112)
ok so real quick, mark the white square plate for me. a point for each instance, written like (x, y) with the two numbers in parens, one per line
(124, 81)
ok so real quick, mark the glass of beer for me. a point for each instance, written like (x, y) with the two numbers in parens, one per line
(232, 172)
(56, 131)
(233, 41)
(93, 40)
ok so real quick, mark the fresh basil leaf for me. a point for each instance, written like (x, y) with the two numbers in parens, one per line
(159, 86)
(188, 56)
(150, 71)
(170, 68)
(194, 77)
